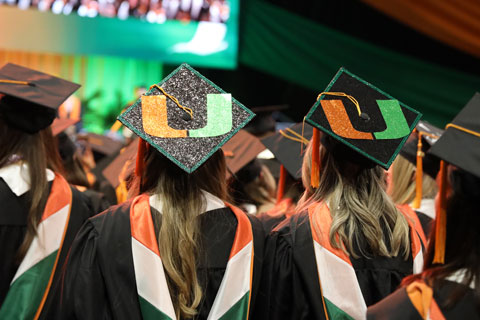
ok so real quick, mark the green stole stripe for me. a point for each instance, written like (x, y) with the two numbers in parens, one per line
(334, 312)
(149, 312)
(26, 293)
(239, 311)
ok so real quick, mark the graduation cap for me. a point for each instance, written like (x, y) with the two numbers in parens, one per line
(29, 99)
(102, 145)
(265, 121)
(122, 166)
(186, 117)
(288, 145)
(370, 125)
(415, 151)
(460, 146)
(241, 149)
(61, 124)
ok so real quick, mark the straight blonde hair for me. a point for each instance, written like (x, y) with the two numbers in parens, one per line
(177, 225)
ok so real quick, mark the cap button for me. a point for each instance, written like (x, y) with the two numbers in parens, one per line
(365, 116)
(186, 116)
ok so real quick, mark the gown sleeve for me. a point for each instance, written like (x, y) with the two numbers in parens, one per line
(83, 295)
(281, 294)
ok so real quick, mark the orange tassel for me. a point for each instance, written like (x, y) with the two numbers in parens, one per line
(315, 169)
(419, 175)
(140, 164)
(441, 216)
(281, 183)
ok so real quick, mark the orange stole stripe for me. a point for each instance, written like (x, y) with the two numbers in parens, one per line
(59, 194)
(421, 297)
(244, 233)
(416, 231)
(141, 223)
(319, 214)
(340, 122)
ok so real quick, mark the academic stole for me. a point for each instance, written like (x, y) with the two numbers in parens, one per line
(31, 284)
(341, 293)
(233, 298)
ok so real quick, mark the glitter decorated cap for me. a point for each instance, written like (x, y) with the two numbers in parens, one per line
(186, 117)
(287, 147)
(29, 99)
(460, 143)
(364, 118)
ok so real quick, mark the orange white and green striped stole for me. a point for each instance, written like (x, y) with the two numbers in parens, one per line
(342, 296)
(233, 297)
(31, 283)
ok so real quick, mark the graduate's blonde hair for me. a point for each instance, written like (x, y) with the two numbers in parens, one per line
(177, 225)
(402, 187)
(359, 206)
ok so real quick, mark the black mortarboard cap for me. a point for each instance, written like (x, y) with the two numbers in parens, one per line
(377, 132)
(102, 145)
(186, 117)
(430, 135)
(124, 161)
(29, 98)
(460, 143)
(287, 147)
(240, 150)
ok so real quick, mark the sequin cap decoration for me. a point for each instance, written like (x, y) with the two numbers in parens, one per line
(376, 127)
(167, 126)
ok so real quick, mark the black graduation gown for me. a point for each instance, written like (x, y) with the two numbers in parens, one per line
(398, 305)
(97, 201)
(99, 280)
(290, 287)
(13, 226)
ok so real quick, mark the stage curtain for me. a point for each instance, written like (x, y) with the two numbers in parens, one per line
(307, 53)
(108, 83)
(456, 23)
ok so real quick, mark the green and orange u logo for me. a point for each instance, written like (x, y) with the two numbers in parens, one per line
(397, 126)
(155, 120)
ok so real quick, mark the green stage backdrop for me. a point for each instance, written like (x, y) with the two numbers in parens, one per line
(307, 53)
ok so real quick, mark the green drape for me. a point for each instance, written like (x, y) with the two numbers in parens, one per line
(306, 53)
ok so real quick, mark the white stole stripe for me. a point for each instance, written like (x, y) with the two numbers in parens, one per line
(48, 240)
(418, 262)
(235, 283)
(150, 278)
(339, 283)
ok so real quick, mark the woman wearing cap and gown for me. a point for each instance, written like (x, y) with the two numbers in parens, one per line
(40, 212)
(347, 246)
(177, 250)
(449, 286)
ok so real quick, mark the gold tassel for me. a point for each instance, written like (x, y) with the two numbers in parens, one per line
(419, 174)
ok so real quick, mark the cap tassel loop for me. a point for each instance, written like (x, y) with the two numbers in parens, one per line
(315, 169)
(419, 175)
(441, 216)
(281, 184)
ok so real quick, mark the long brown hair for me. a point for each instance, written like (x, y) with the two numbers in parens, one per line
(359, 206)
(38, 151)
(462, 247)
(178, 230)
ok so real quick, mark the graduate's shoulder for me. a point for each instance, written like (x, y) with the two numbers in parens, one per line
(114, 219)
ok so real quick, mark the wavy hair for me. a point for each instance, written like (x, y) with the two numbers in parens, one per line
(361, 210)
